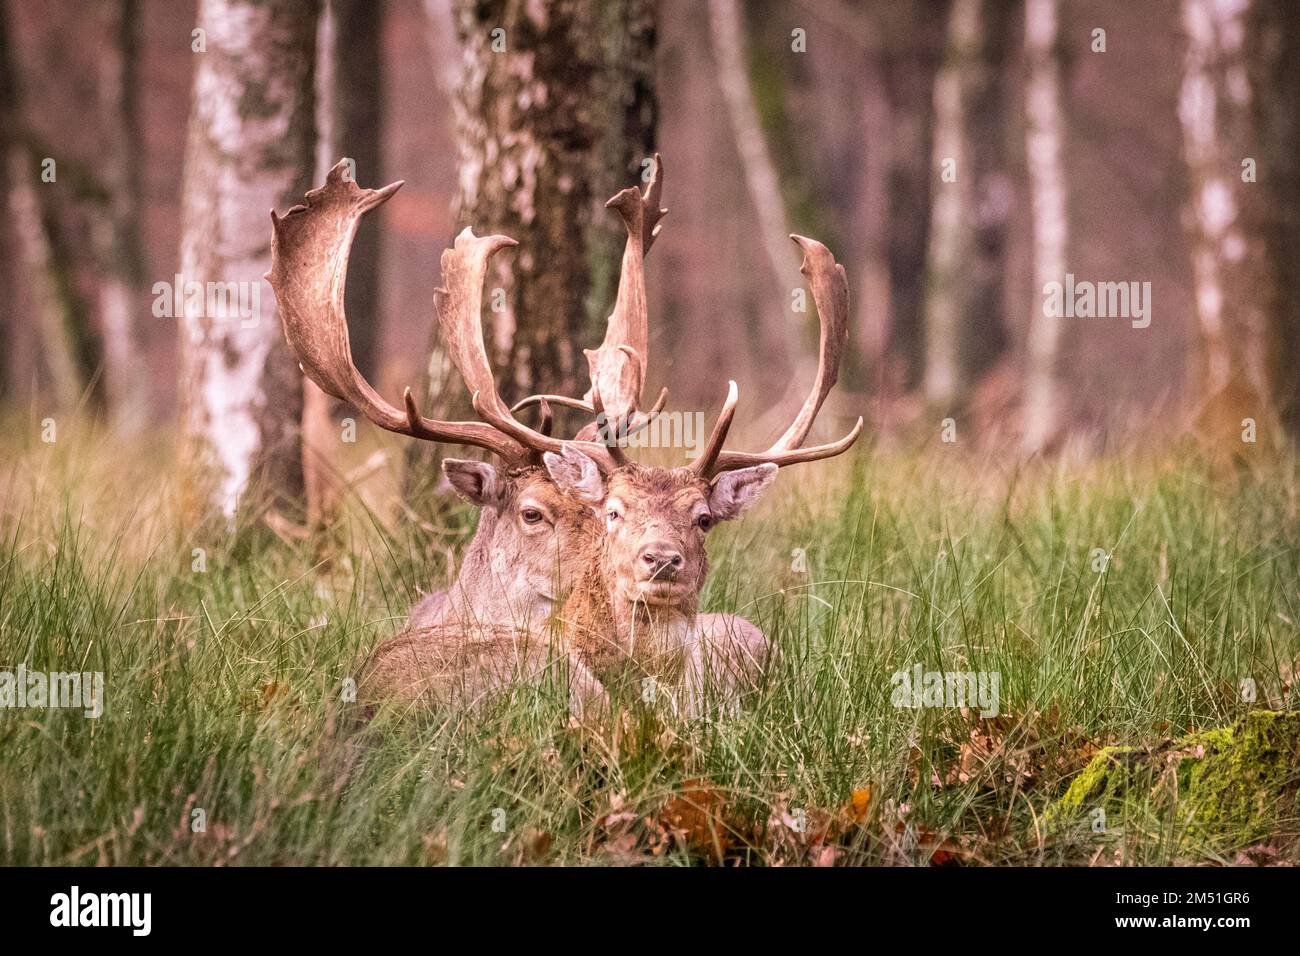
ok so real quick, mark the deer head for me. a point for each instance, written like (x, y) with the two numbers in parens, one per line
(519, 565)
(652, 563)
(654, 522)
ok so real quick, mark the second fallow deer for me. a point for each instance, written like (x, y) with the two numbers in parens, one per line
(634, 612)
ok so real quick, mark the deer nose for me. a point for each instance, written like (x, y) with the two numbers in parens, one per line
(661, 561)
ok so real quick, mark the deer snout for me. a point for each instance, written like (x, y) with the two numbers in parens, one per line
(660, 561)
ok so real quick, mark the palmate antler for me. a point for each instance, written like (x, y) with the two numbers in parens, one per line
(309, 260)
(617, 368)
(830, 290)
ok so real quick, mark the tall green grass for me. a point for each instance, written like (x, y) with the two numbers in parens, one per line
(223, 685)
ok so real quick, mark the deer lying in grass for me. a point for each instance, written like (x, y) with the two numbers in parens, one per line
(514, 572)
(634, 611)
(630, 593)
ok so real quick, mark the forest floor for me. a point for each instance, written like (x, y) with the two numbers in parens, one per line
(1129, 603)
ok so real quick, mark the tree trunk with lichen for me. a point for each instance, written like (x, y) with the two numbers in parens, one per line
(250, 149)
(555, 112)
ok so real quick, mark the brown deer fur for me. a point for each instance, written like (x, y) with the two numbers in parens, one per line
(633, 611)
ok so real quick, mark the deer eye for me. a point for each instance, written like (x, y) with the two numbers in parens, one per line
(704, 522)
(531, 515)
(612, 515)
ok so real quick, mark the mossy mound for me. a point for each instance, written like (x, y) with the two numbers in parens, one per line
(1230, 783)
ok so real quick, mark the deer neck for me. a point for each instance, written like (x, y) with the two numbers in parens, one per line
(608, 630)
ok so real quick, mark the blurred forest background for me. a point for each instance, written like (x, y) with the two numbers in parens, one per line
(146, 140)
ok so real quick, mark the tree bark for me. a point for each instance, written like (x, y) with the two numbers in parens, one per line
(356, 130)
(1044, 134)
(548, 129)
(349, 123)
(1241, 137)
(915, 32)
(250, 148)
(1274, 50)
(985, 336)
(950, 226)
(1226, 254)
(549, 125)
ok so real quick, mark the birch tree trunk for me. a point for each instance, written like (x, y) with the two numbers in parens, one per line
(250, 149)
(1044, 133)
(1241, 138)
(950, 226)
(1231, 185)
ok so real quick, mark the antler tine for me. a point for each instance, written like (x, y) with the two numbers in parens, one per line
(717, 438)
(561, 400)
(458, 304)
(310, 247)
(546, 418)
(650, 224)
(830, 290)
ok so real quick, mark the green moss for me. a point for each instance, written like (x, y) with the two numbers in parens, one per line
(1228, 783)
(1244, 775)
(1096, 780)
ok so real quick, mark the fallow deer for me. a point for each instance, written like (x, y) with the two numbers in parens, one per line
(514, 572)
(634, 612)
(630, 586)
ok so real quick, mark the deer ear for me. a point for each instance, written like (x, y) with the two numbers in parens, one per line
(576, 475)
(734, 492)
(475, 481)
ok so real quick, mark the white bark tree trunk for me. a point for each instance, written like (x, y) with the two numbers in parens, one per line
(250, 149)
(1045, 132)
(950, 224)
